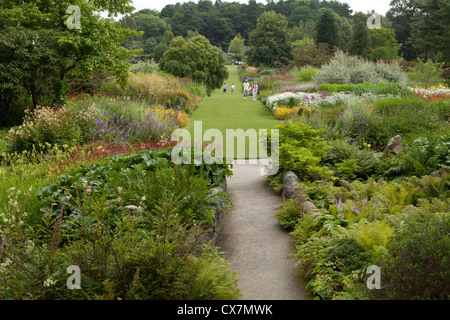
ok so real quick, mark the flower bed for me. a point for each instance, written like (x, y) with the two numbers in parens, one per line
(294, 99)
(433, 93)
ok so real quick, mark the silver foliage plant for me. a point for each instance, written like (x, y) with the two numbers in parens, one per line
(346, 69)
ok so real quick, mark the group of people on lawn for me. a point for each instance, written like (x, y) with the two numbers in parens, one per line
(246, 88)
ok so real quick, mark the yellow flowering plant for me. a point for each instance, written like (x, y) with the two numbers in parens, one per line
(285, 113)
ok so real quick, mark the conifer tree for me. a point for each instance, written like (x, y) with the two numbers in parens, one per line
(361, 44)
(430, 30)
(328, 29)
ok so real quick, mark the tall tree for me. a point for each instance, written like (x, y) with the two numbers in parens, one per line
(401, 14)
(237, 46)
(345, 32)
(153, 28)
(431, 28)
(163, 45)
(327, 29)
(195, 58)
(80, 48)
(361, 44)
(342, 9)
(306, 52)
(384, 44)
(219, 31)
(233, 11)
(249, 15)
(269, 42)
(31, 71)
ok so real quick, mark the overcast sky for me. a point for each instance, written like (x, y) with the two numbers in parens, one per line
(380, 6)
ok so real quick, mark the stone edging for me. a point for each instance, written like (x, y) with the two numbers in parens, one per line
(292, 190)
(218, 214)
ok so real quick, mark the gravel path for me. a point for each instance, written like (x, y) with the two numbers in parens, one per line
(253, 241)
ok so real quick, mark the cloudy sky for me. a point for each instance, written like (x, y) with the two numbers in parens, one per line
(380, 6)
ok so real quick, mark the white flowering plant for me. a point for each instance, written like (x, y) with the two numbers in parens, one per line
(294, 99)
(44, 124)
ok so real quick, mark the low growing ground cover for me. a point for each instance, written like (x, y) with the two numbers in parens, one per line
(370, 214)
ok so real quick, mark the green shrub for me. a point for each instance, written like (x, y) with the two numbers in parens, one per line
(125, 179)
(307, 74)
(269, 72)
(46, 125)
(348, 255)
(209, 277)
(275, 182)
(301, 150)
(441, 108)
(289, 214)
(426, 74)
(197, 90)
(304, 228)
(391, 73)
(145, 67)
(422, 157)
(418, 263)
(363, 164)
(401, 226)
(364, 72)
(131, 225)
(361, 125)
(125, 262)
(391, 116)
(345, 69)
(332, 88)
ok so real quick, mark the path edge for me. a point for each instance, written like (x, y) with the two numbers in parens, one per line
(293, 190)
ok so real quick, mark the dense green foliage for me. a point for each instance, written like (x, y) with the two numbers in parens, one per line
(411, 270)
(52, 50)
(134, 224)
(382, 88)
(389, 224)
(430, 28)
(403, 33)
(384, 44)
(327, 29)
(401, 15)
(196, 59)
(361, 44)
(269, 42)
(98, 188)
(301, 150)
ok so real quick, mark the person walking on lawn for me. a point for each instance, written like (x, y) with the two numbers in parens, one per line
(246, 88)
(255, 90)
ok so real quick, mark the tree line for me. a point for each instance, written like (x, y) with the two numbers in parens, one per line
(410, 29)
(41, 56)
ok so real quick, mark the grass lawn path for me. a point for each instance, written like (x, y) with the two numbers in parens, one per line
(250, 236)
(229, 111)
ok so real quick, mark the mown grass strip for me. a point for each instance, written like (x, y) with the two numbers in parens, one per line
(224, 111)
